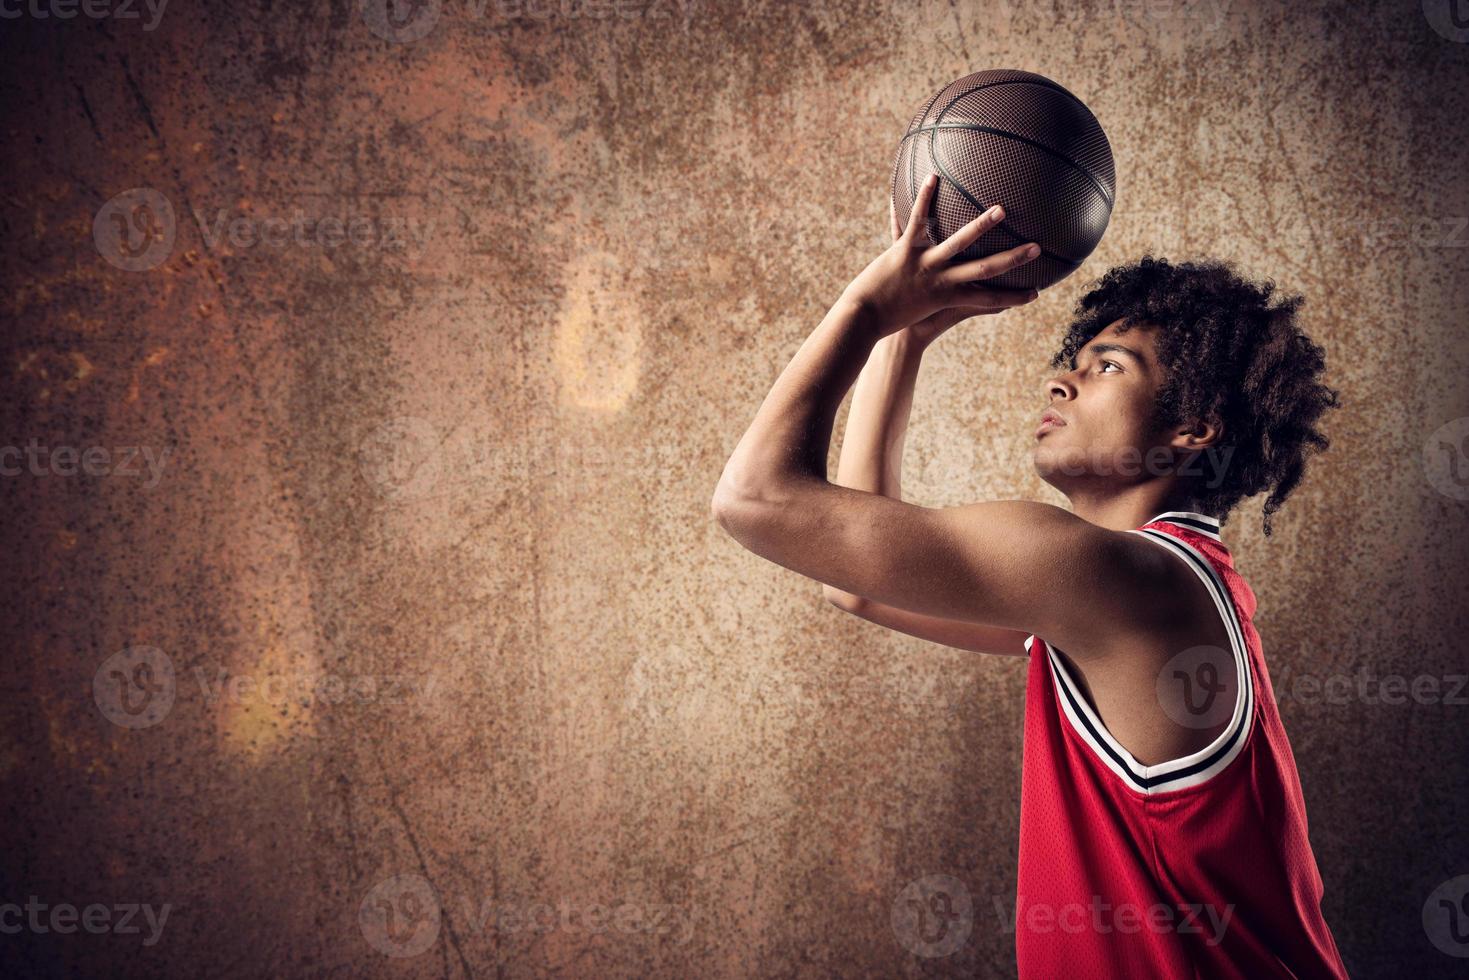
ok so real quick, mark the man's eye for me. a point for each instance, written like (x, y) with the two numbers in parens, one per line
(1113, 364)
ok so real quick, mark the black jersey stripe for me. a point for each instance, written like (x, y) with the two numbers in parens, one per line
(1147, 783)
(1192, 523)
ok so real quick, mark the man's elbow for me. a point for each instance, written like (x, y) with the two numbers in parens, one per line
(723, 506)
(742, 507)
(767, 516)
(736, 513)
(845, 601)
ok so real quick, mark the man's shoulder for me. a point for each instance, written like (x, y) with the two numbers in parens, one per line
(1155, 591)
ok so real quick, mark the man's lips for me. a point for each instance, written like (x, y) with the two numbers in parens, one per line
(1050, 419)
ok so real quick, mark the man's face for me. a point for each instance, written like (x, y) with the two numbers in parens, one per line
(1106, 402)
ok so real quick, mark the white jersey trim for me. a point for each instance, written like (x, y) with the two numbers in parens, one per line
(1198, 523)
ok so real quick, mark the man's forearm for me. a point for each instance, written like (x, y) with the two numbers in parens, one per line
(787, 443)
(877, 422)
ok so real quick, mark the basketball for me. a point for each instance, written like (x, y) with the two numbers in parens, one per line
(1020, 140)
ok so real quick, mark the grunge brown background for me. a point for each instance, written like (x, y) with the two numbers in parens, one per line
(367, 378)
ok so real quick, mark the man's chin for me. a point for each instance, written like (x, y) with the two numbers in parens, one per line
(1061, 465)
(1053, 462)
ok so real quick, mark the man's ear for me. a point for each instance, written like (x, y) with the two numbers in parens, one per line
(1198, 435)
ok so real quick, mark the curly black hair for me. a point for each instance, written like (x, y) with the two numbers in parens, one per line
(1231, 349)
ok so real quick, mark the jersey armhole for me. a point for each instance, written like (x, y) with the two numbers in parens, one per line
(1190, 770)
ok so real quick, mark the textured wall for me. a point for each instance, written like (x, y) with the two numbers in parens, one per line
(362, 593)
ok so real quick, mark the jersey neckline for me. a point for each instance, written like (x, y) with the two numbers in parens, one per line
(1189, 520)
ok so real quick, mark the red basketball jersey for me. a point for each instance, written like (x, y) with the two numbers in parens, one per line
(1199, 867)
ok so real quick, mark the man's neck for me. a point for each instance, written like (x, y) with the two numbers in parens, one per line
(1129, 509)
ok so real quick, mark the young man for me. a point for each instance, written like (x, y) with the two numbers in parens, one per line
(1162, 831)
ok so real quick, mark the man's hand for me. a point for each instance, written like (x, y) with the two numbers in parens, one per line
(912, 283)
(926, 331)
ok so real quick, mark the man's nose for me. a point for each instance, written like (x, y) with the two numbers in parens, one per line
(1059, 387)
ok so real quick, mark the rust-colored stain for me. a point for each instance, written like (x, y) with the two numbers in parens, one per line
(385, 631)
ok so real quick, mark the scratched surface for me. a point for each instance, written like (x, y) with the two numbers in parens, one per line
(368, 377)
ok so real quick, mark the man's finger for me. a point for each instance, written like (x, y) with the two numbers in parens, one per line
(990, 265)
(964, 237)
(958, 314)
(974, 294)
(920, 207)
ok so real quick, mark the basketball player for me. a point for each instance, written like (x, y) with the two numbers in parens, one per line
(1162, 827)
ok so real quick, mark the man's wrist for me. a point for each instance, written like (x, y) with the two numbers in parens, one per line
(864, 315)
(906, 342)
